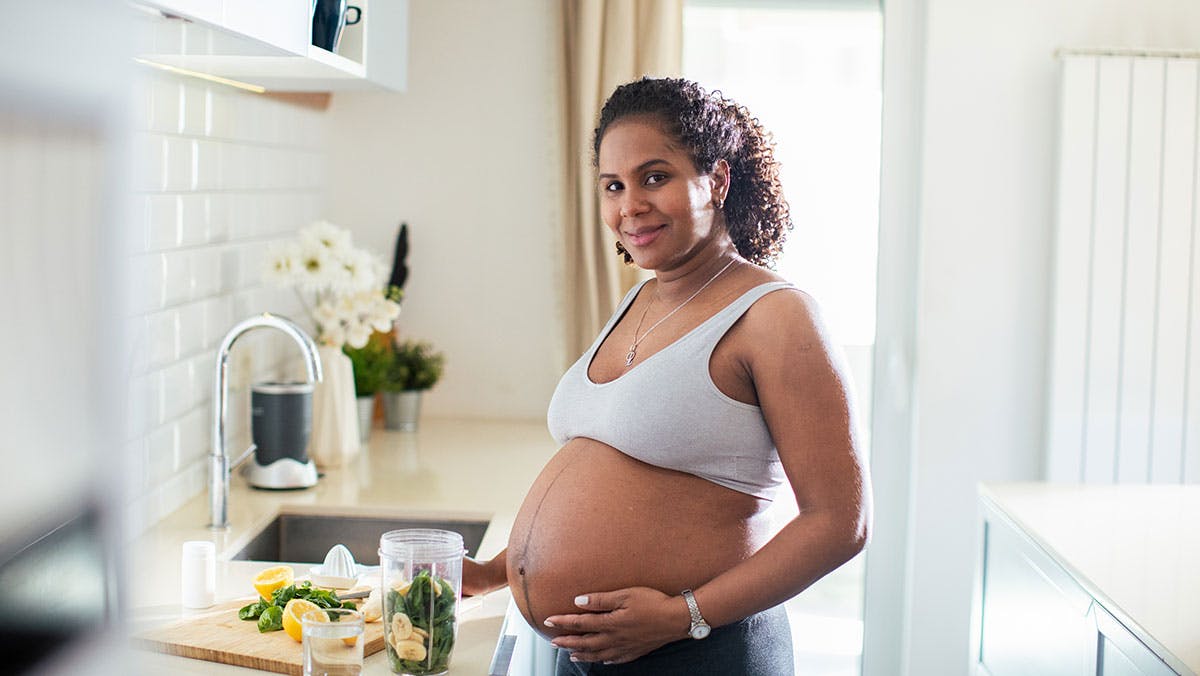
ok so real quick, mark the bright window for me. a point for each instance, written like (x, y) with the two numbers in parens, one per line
(811, 72)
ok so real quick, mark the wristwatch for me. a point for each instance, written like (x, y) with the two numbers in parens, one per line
(700, 628)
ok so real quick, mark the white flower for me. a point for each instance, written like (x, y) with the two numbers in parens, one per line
(363, 271)
(316, 270)
(358, 334)
(333, 335)
(346, 281)
(325, 234)
(283, 264)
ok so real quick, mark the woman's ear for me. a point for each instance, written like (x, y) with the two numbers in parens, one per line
(720, 181)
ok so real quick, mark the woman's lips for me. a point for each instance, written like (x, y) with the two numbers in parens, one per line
(644, 236)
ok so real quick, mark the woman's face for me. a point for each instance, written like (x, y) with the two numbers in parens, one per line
(652, 198)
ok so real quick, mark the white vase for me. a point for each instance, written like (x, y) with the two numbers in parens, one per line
(335, 439)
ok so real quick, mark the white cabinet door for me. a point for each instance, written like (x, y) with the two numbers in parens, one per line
(1034, 616)
(208, 11)
(281, 23)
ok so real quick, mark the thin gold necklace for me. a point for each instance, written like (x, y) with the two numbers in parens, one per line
(636, 341)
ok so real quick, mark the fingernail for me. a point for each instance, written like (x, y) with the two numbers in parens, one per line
(548, 623)
(581, 600)
(574, 659)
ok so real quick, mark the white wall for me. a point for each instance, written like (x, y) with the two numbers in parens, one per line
(470, 157)
(986, 232)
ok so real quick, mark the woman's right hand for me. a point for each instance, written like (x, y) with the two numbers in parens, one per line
(481, 577)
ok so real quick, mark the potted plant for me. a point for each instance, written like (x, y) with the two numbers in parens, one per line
(371, 365)
(414, 368)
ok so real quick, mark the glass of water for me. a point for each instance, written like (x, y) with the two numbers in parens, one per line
(333, 642)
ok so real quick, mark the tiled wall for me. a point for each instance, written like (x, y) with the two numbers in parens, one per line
(219, 175)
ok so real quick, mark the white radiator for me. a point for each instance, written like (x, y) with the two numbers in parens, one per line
(1123, 401)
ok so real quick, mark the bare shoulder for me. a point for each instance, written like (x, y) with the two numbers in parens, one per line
(787, 315)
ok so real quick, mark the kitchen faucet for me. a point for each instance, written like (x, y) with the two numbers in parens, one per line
(218, 460)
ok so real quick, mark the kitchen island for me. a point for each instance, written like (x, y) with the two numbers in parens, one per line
(1088, 579)
(452, 469)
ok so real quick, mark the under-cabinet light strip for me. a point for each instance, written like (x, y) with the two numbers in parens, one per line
(203, 76)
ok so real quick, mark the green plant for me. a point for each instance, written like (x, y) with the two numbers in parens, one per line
(414, 366)
(372, 362)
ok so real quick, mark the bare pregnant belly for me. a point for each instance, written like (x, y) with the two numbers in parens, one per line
(598, 520)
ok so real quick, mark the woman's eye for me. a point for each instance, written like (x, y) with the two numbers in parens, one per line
(612, 186)
(655, 178)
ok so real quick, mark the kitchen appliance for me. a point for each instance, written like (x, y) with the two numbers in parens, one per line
(280, 423)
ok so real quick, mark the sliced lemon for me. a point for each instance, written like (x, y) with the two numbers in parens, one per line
(292, 612)
(271, 579)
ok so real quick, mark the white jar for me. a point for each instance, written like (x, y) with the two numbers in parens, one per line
(198, 573)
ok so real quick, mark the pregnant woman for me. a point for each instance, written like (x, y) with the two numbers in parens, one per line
(643, 546)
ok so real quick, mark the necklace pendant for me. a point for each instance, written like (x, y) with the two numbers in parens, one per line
(629, 357)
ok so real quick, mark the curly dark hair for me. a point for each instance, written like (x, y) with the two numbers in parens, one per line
(712, 127)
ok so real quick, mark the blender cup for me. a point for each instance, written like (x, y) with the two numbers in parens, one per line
(422, 585)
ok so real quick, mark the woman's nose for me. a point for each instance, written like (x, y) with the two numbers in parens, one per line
(633, 204)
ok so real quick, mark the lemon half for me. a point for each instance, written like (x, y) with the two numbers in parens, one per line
(271, 579)
(292, 612)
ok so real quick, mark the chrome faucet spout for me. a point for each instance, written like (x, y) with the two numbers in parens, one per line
(219, 465)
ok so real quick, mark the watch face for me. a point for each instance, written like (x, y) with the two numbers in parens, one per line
(700, 631)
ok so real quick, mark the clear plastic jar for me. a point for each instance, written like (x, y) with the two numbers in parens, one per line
(422, 585)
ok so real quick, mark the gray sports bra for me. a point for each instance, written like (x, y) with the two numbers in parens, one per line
(666, 411)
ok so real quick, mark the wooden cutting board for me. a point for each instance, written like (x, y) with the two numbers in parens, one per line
(217, 635)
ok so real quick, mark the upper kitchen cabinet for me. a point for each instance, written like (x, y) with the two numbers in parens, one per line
(267, 44)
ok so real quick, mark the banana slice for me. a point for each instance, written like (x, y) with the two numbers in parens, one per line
(410, 650)
(401, 588)
(417, 631)
(372, 608)
(402, 627)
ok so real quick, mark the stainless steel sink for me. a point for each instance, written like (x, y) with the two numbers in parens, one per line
(306, 538)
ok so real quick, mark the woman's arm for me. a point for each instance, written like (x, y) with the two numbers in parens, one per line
(481, 577)
(803, 392)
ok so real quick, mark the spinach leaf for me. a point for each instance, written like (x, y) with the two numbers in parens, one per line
(252, 611)
(271, 619)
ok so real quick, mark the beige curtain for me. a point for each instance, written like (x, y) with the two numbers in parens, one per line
(606, 43)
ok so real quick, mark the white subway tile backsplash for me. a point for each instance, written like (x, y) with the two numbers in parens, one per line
(193, 218)
(164, 104)
(218, 319)
(162, 222)
(176, 277)
(190, 329)
(163, 336)
(162, 449)
(208, 165)
(177, 164)
(149, 158)
(193, 434)
(230, 269)
(192, 108)
(223, 174)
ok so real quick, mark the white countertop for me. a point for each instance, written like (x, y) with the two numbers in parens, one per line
(1135, 548)
(451, 468)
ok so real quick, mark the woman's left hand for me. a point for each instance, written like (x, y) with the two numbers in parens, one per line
(622, 625)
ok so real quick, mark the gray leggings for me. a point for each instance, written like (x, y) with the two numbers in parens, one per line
(760, 645)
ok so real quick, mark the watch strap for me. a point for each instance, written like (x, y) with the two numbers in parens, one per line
(693, 609)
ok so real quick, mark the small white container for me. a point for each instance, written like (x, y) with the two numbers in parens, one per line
(198, 573)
